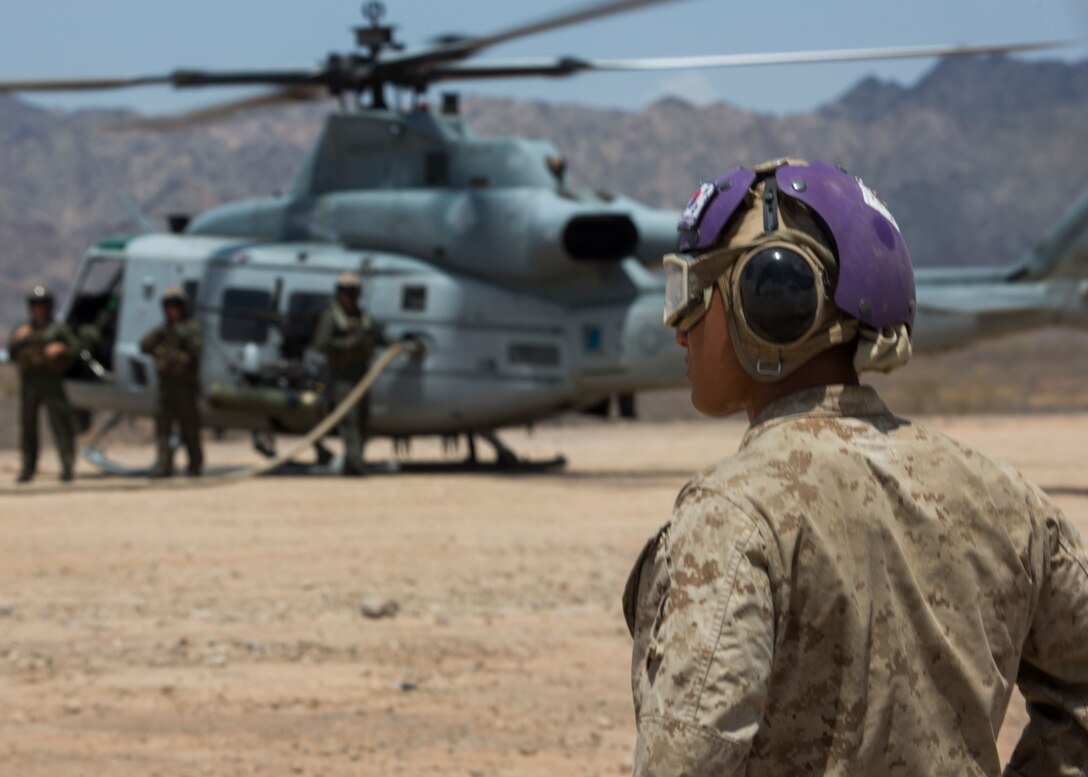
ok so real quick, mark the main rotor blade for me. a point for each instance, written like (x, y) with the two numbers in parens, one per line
(574, 16)
(222, 110)
(180, 79)
(806, 57)
(192, 78)
(465, 47)
(572, 65)
(81, 84)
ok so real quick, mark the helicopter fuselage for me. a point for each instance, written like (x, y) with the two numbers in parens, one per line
(530, 297)
(495, 355)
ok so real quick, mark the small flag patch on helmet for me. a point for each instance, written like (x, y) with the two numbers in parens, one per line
(689, 219)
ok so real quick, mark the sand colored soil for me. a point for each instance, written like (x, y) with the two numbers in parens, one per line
(218, 632)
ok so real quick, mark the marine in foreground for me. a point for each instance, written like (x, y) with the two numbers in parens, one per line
(850, 593)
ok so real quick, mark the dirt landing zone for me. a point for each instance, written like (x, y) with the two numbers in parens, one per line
(219, 632)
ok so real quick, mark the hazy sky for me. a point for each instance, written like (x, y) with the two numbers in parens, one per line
(71, 38)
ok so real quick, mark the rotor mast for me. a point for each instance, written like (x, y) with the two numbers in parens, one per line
(376, 38)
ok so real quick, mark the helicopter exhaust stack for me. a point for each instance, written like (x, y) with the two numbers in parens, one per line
(603, 237)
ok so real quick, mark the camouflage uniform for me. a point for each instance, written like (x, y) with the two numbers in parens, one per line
(347, 340)
(41, 379)
(176, 349)
(851, 594)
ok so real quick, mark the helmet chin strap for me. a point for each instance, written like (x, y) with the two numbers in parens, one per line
(768, 363)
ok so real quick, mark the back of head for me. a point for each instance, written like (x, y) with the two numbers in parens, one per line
(807, 258)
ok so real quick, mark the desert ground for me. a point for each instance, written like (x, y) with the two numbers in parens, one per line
(219, 631)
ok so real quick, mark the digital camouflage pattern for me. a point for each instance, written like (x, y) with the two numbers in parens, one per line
(851, 594)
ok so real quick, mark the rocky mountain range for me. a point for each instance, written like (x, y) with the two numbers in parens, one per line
(976, 160)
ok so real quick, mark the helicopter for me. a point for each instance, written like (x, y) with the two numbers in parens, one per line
(530, 297)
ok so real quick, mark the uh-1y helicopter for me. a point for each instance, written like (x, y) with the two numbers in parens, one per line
(530, 297)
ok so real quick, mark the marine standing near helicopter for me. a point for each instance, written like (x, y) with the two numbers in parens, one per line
(347, 336)
(176, 346)
(849, 594)
(44, 349)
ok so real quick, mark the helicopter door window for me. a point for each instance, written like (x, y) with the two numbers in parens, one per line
(139, 372)
(304, 309)
(191, 289)
(245, 315)
(592, 340)
(414, 298)
(436, 168)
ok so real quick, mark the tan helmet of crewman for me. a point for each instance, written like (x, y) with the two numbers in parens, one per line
(175, 295)
(39, 295)
(349, 282)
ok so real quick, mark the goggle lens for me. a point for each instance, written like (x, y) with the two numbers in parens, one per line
(684, 305)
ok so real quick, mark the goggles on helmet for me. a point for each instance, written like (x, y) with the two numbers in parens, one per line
(685, 302)
(689, 284)
(778, 288)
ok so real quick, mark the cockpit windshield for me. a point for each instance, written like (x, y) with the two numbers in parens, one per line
(96, 304)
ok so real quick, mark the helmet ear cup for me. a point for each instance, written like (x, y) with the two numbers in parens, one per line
(778, 295)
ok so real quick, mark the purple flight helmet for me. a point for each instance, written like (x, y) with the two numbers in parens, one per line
(876, 279)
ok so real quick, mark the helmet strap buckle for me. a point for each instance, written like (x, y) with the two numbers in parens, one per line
(770, 373)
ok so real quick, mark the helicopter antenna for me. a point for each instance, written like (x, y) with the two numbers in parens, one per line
(376, 38)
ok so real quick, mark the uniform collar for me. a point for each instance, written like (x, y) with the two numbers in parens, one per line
(342, 315)
(836, 401)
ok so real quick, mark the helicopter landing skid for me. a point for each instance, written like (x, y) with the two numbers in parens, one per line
(108, 466)
(465, 466)
(505, 461)
(505, 458)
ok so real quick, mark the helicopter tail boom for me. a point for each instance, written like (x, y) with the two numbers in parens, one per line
(1063, 252)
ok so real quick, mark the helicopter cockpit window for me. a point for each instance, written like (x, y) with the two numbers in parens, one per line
(100, 283)
(95, 308)
(245, 316)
